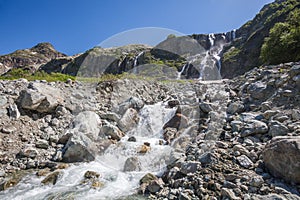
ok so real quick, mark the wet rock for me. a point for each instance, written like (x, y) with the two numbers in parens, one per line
(244, 161)
(112, 132)
(150, 183)
(280, 156)
(91, 175)
(277, 129)
(144, 149)
(51, 178)
(133, 102)
(170, 134)
(173, 103)
(129, 120)
(235, 107)
(132, 164)
(43, 172)
(131, 139)
(11, 182)
(178, 121)
(13, 111)
(254, 127)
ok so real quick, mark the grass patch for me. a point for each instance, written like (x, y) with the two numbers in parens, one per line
(18, 73)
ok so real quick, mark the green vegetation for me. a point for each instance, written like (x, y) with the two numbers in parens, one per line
(18, 73)
(231, 54)
(283, 43)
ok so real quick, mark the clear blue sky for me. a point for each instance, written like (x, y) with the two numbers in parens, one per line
(74, 26)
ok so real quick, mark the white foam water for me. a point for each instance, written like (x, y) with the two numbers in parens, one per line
(110, 165)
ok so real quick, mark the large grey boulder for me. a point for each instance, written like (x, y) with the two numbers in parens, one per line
(87, 122)
(79, 148)
(41, 98)
(281, 157)
(80, 144)
(129, 120)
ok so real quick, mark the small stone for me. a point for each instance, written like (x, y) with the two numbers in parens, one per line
(42, 144)
(228, 193)
(91, 175)
(51, 178)
(131, 139)
(144, 149)
(244, 161)
(28, 152)
(256, 181)
(43, 172)
(8, 129)
(206, 107)
(13, 111)
(235, 107)
(132, 164)
(277, 129)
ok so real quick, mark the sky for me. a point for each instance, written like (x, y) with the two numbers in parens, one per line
(74, 26)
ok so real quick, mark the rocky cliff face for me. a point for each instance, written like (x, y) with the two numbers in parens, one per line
(31, 58)
(244, 52)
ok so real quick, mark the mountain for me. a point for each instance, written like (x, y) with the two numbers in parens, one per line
(272, 37)
(30, 59)
(244, 53)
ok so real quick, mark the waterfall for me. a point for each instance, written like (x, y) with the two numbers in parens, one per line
(233, 34)
(135, 62)
(117, 183)
(182, 70)
(203, 65)
(211, 38)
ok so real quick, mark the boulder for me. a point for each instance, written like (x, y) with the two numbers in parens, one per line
(40, 97)
(178, 121)
(132, 102)
(277, 129)
(235, 107)
(258, 90)
(79, 148)
(170, 134)
(129, 120)
(206, 107)
(51, 178)
(254, 127)
(111, 131)
(281, 157)
(132, 164)
(87, 122)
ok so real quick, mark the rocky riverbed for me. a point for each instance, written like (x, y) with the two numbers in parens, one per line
(225, 139)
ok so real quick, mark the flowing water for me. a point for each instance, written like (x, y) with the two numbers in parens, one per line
(110, 165)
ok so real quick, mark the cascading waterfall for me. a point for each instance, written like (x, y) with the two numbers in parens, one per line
(110, 165)
(135, 62)
(203, 65)
(233, 34)
(211, 38)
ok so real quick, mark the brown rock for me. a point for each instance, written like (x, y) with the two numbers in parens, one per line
(178, 121)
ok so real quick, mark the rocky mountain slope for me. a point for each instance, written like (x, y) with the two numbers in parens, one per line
(30, 59)
(226, 136)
